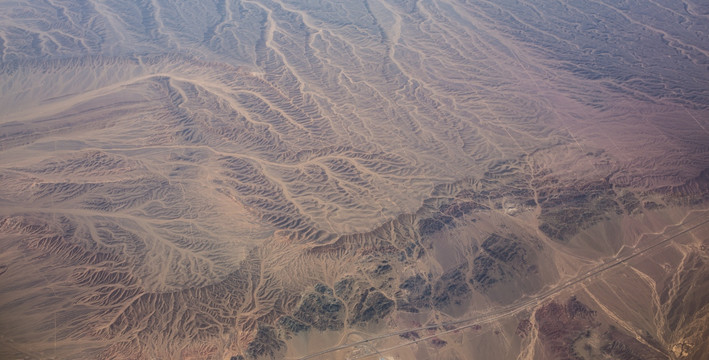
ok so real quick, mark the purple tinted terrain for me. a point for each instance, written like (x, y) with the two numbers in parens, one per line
(342, 179)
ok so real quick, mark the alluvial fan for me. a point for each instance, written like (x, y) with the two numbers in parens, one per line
(375, 179)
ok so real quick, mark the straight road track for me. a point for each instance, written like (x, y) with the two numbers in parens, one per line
(522, 304)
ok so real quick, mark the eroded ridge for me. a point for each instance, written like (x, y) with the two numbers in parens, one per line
(269, 179)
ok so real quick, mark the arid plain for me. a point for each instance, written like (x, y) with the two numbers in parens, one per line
(373, 179)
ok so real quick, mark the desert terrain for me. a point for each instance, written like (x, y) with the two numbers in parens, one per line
(376, 179)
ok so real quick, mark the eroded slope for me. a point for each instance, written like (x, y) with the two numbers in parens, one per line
(277, 178)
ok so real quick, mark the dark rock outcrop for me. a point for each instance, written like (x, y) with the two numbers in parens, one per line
(320, 310)
(416, 294)
(372, 306)
(451, 288)
(266, 345)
